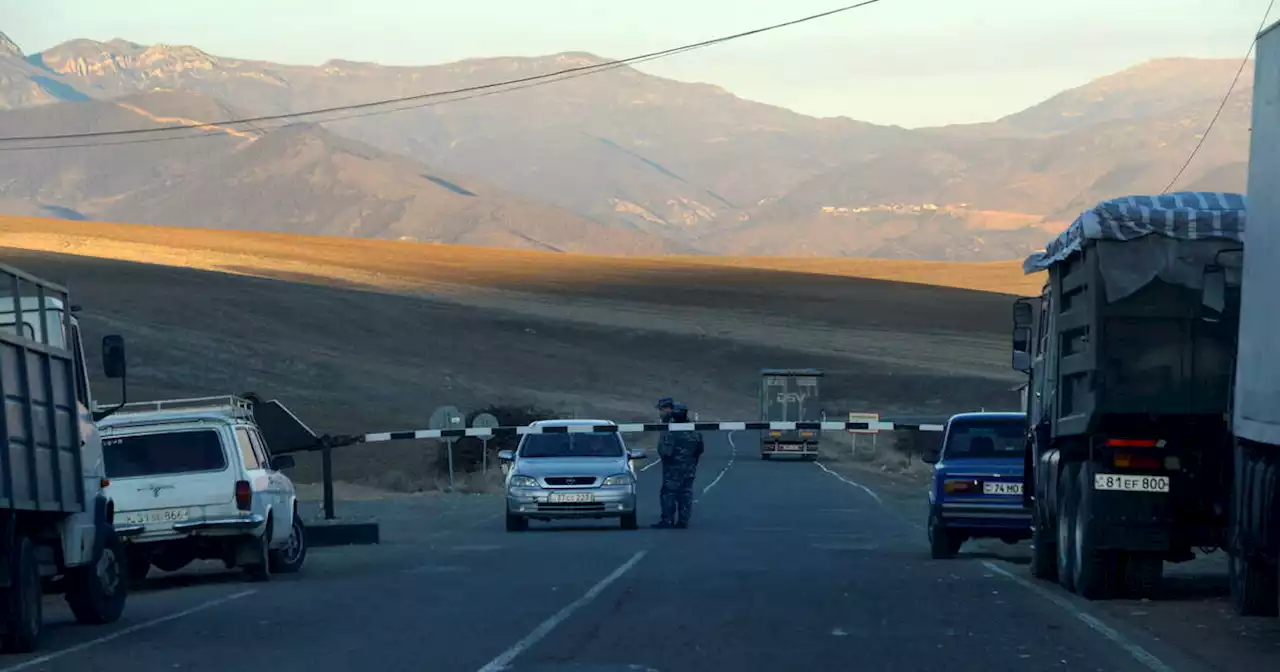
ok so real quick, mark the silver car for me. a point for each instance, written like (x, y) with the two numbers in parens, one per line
(572, 474)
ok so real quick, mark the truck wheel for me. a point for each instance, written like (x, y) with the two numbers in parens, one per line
(23, 601)
(289, 559)
(765, 456)
(1095, 569)
(96, 592)
(1254, 587)
(1044, 559)
(1064, 529)
(1143, 574)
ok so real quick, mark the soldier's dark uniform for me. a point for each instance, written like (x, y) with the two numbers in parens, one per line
(680, 452)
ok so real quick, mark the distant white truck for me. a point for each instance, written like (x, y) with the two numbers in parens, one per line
(193, 479)
(55, 515)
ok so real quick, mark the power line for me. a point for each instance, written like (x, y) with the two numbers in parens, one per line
(439, 94)
(1221, 106)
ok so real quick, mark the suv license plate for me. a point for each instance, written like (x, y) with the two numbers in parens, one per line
(1131, 483)
(154, 516)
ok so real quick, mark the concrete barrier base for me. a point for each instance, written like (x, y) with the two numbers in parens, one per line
(341, 532)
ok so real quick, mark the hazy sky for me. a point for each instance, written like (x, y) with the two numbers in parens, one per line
(907, 62)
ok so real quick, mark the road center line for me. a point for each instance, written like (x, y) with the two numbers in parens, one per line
(504, 659)
(40, 660)
(1133, 649)
(733, 454)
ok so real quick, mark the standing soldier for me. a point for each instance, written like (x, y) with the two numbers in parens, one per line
(680, 452)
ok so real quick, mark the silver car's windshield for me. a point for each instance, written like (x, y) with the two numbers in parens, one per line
(594, 444)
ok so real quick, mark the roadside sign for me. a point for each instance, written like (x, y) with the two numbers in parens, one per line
(448, 417)
(485, 420)
(864, 417)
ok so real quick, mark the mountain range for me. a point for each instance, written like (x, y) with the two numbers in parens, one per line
(619, 162)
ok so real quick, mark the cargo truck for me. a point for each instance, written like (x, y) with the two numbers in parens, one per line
(55, 521)
(790, 395)
(1255, 503)
(1129, 353)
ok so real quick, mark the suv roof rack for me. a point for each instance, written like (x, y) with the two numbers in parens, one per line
(231, 405)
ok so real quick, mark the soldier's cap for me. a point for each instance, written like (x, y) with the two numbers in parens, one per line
(666, 402)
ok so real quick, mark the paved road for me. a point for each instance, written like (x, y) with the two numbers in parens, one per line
(787, 567)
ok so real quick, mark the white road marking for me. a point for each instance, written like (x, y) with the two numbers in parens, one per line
(855, 484)
(732, 455)
(504, 659)
(1133, 649)
(54, 655)
(651, 465)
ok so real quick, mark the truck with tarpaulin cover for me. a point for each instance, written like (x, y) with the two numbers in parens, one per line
(55, 518)
(790, 395)
(1130, 365)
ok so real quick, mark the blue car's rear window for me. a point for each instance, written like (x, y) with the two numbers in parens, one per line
(986, 438)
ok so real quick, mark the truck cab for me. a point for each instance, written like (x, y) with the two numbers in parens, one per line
(976, 489)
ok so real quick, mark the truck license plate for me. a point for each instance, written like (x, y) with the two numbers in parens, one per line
(1002, 488)
(571, 497)
(1130, 483)
(154, 516)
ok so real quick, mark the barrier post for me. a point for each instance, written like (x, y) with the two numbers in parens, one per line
(326, 459)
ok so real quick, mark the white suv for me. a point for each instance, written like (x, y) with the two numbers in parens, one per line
(192, 479)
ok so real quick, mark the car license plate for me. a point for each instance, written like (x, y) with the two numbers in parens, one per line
(154, 516)
(1002, 488)
(571, 497)
(1130, 483)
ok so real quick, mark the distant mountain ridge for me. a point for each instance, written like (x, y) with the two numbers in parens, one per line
(639, 162)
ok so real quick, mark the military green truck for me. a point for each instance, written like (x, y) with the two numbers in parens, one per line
(789, 396)
(1130, 365)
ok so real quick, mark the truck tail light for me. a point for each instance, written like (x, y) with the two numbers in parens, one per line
(244, 496)
(1135, 443)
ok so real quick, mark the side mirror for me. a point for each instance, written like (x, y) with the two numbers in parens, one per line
(1213, 295)
(113, 360)
(507, 455)
(1024, 315)
(636, 453)
(282, 462)
(1022, 349)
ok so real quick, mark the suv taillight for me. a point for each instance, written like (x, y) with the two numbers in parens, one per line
(244, 496)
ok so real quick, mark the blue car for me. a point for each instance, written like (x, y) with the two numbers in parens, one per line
(977, 482)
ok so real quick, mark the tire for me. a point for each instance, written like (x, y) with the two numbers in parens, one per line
(96, 592)
(23, 602)
(260, 568)
(630, 522)
(1254, 587)
(172, 559)
(289, 559)
(1064, 529)
(943, 543)
(1044, 551)
(1095, 569)
(517, 523)
(1142, 575)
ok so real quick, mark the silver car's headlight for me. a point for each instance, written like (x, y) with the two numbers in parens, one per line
(523, 482)
(618, 479)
